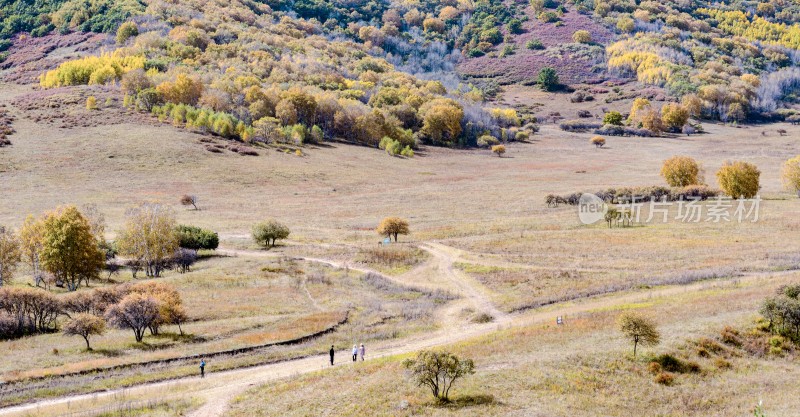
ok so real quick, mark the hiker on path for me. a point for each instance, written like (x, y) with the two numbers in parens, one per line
(355, 353)
(362, 351)
(202, 368)
(331, 352)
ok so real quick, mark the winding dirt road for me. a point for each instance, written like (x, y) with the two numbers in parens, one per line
(219, 389)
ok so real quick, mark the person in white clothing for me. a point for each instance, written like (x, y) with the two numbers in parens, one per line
(355, 352)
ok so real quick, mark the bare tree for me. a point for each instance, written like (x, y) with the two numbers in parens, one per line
(189, 200)
(85, 325)
(136, 312)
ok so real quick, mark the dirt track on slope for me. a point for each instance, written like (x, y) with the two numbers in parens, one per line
(219, 389)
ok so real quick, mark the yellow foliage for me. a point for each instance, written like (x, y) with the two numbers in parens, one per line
(637, 57)
(739, 179)
(791, 174)
(505, 117)
(91, 103)
(681, 171)
(91, 70)
(737, 23)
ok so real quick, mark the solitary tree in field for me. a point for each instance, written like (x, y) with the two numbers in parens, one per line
(639, 329)
(266, 233)
(438, 371)
(680, 171)
(393, 226)
(9, 255)
(70, 250)
(548, 79)
(791, 174)
(85, 325)
(598, 141)
(739, 179)
(136, 312)
(189, 200)
(499, 150)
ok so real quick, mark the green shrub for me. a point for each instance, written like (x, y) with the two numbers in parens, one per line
(126, 31)
(191, 237)
(514, 26)
(613, 118)
(548, 79)
(534, 44)
(486, 141)
(549, 17)
(669, 363)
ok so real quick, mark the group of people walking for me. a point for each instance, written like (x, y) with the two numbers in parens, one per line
(358, 351)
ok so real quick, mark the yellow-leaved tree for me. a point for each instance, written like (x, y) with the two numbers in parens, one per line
(70, 250)
(791, 174)
(739, 179)
(680, 171)
(393, 226)
(149, 237)
(9, 254)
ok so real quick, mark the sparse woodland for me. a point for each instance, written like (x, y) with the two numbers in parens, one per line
(446, 240)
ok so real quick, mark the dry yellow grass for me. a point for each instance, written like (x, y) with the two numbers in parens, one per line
(519, 251)
(583, 368)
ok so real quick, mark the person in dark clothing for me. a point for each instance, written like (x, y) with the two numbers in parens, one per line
(331, 353)
(202, 368)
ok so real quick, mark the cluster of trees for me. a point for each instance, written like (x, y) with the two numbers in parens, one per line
(41, 18)
(102, 69)
(67, 248)
(672, 117)
(720, 55)
(138, 307)
(782, 312)
(27, 310)
(62, 248)
(737, 179)
(286, 79)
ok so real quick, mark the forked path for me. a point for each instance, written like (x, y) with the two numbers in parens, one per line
(217, 390)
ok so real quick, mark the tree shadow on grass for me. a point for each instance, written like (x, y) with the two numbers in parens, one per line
(465, 401)
(109, 353)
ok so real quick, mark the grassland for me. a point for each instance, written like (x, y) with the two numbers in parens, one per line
(583, 368)
(482, 239)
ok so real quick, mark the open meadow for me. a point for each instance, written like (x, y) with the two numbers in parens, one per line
(389, 208)
(483, 244)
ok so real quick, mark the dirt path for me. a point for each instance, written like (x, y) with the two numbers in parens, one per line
(219, 389)
(445, 257)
